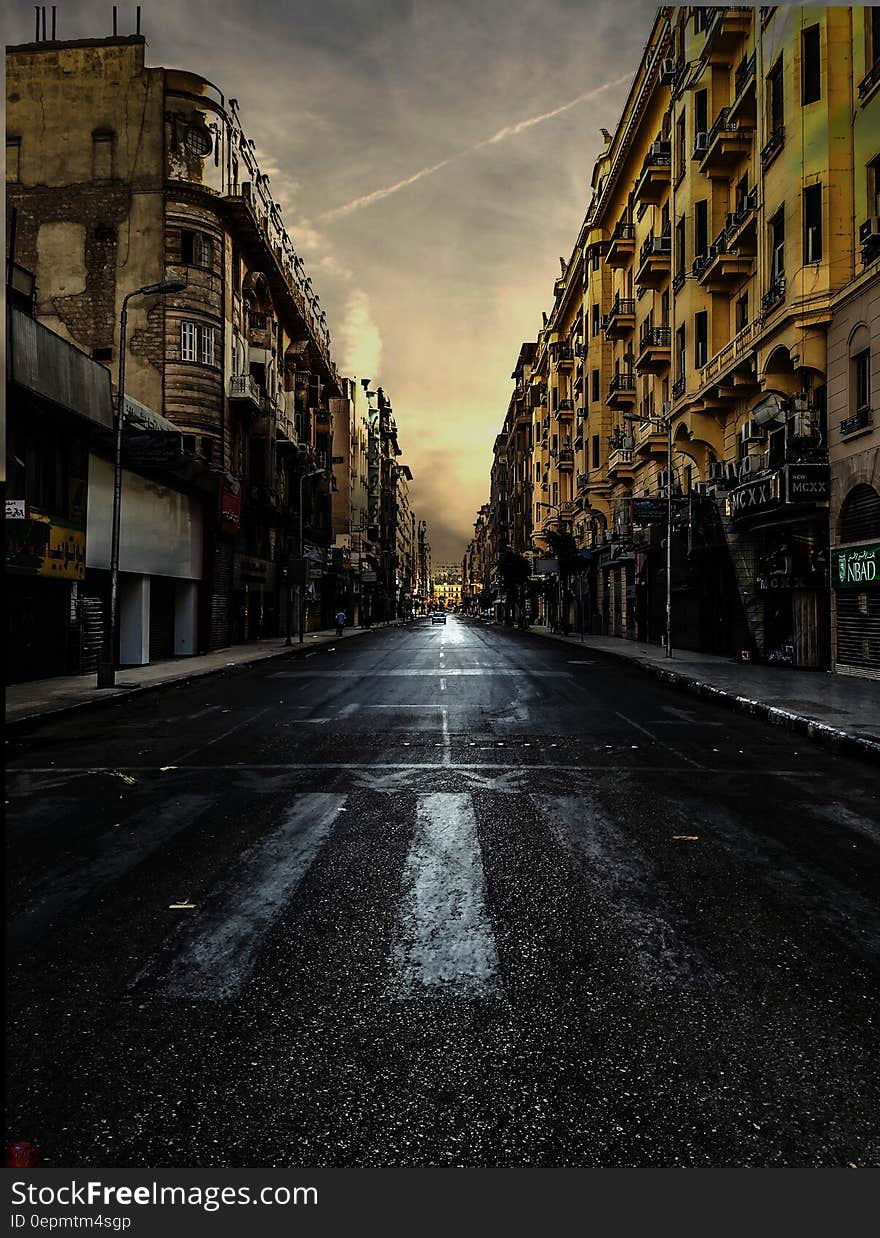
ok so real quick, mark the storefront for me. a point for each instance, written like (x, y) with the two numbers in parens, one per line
(855, 579)
(782, 517)
(253, 598)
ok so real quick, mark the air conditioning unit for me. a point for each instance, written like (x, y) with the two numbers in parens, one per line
(801, 425)
(703, 488)
(701, 143)
(669, 70)
(718, 471)
(663, 479)
(749, 466)
(731, 472)
(751, 433)
(869, 232)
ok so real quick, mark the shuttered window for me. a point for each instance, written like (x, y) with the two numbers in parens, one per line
(188, 342)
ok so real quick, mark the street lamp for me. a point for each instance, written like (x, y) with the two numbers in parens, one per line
(300, 584)
(668, 426)
(107, 665)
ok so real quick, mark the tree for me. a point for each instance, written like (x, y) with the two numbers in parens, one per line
(515, 571)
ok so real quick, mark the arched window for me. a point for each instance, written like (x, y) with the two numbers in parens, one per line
(860, 515)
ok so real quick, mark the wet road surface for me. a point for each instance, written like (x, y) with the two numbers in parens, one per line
(442, 895)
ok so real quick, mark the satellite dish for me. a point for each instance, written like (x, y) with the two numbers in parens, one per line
(769, 409)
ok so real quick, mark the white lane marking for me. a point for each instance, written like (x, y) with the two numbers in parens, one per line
(351, 708)
(682, 756)
(224, 735)
(444, 939)
(442, 685)
(403, 707)
(221, 947)
(447, 753)
(408, 673)
(117, 851)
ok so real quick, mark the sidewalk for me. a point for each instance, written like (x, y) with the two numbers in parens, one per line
(840, 710)
(41, 697)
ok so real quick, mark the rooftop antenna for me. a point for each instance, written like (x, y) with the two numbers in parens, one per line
(37, 30)
(53, 23)
(138, 12)
(44, 23)
(114, 21)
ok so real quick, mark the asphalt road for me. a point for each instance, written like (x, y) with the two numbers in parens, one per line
(441, 895)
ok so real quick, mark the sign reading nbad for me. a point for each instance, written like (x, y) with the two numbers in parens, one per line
(856, 567)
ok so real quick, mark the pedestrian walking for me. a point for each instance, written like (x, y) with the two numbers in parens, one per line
(340, 622)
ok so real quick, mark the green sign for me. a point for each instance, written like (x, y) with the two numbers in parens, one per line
(856, 567)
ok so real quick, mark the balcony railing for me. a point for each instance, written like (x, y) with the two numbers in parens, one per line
(583, 480)
(747, 207)
(654, 246)
(244, 387)
(678, 280)
(774, 295)
(773, 146)
(621, 245)
(565, 457)
(744, 73)
(655, 337)
(678, 387)
(565, 406)
(861, 419)
(622, 382)
(870, 80)
(623, 307)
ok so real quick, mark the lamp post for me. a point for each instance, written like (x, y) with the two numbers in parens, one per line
(668, 426)
(107, 665)
(301, 586)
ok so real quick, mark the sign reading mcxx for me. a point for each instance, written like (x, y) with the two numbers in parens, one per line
(755, 496)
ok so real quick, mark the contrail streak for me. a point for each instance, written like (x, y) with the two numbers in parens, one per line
(507, 132)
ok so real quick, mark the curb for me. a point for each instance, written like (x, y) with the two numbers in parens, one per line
(27, 721)
(820, 732)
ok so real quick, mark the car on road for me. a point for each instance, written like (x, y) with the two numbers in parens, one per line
(438, 616)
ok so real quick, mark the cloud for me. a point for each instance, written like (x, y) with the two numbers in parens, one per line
(507, 131)
(360, 337)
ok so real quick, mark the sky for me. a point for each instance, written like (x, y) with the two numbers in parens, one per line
(432, 161)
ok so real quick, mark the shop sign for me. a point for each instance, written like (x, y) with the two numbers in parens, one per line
(648, 510)
(856, 567)
(808, 483)
(40, 546)
(16, 509)
(754, 497)
(229, 510)
(248, 571)
(151, 449)
(546, 567)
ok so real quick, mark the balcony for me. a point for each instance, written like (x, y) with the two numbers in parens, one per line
(564, 359)
(653, 180)
(244, 391)
(728, 27)
(741, 228)
(727, 144)
(621, 391)
(678, 387)
(655, 258)
(622, 463)
(744, 107)
(774, 296)
(719, 268)
(565, 459)
(583, 480)
(655, 348)
(620, 320)
(772, 147)
(870, 80)
(861, 420)
(565, 411)
(651, 437)
(622, 245)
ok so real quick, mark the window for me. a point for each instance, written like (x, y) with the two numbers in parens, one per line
(188, 342)
(873, 39)
(595, 326)
(197, 343)
(811, 84)
(680, 353)
(861, 366)
(742, 191)
(594, 260)
(196, 249)
(777, 246)
(679, 246)
(102, 155)
(595, 451)
(701, 112)
(742, 312)
(812, 223)
(701, 227)
(775, 96)
(874, 185)
(680, 148)
(207, 450)
(664, 308)
(13, 159)
(595, 386)
(701, 339)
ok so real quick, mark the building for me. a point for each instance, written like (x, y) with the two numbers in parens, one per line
(717, 252)
(146, 173)
(446, 583)
(60, 453)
